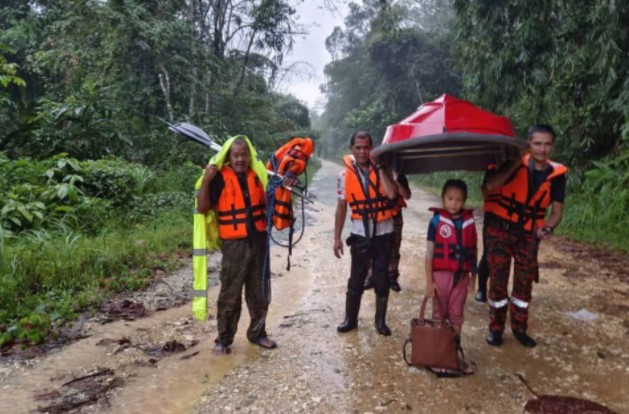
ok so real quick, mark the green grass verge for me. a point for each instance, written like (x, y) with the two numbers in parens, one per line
(45, 279)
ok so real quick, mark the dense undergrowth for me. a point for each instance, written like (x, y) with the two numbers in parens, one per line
(73, 232)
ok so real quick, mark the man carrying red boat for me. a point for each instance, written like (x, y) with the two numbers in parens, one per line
(517, 196)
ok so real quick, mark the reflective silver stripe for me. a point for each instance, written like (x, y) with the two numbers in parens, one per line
(199, 252)
(468, 222)
(498, 304)
(446, 220)
(199, 294)
(519, 303)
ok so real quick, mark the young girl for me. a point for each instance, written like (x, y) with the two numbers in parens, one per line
(451, 255)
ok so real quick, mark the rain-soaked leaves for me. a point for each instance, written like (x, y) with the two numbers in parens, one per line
(80, 391)
(126, 309)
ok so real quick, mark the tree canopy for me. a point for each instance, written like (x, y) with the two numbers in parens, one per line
(100, 76)
(384, 65)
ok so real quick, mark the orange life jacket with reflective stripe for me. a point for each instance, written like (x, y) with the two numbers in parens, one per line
(512, 202)
(372, 204)
(232, 209)
(291, 158)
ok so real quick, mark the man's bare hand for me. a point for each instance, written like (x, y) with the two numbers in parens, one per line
(210, 172)
(338, 248)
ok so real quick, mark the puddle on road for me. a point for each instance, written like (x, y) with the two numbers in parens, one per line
(154, 381)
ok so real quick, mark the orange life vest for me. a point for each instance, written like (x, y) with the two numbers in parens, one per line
(232, 210)
(291, 158)
(371, 205)
(512, 202)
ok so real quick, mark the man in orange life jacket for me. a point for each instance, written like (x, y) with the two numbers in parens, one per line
(369, 190)
(516, 199)
(238, 196)
(404, 193)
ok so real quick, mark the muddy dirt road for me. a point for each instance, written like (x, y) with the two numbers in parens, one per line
(162, 363)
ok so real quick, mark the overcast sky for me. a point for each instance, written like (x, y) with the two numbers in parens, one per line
(309, 55)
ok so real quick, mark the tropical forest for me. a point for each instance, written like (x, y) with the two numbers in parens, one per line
(96, 195)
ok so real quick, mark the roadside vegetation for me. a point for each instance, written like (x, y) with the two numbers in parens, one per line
(74, 232)
(96, 196)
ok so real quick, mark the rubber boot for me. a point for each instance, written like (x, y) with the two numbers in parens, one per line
(352, 307)
(394, 285)
(381, 315)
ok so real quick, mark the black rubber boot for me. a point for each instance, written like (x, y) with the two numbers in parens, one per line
(524, 339)
(393, 283)
(381, 315)
(494, 338)
(352, 307)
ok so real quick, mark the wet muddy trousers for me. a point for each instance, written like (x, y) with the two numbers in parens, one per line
(503, 244)
(243, 261)
(375, 253)
(364, 252)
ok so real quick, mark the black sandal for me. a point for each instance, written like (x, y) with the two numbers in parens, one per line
(221, 349)
(265, 343)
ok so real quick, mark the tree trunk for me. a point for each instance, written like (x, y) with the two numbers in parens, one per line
(192, 17)
(244, 63)
(164, 83)
(208, 94)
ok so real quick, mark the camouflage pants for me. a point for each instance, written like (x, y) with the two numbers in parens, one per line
(394, 262)
(242, 266)
(505, 242)
(483, 269)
